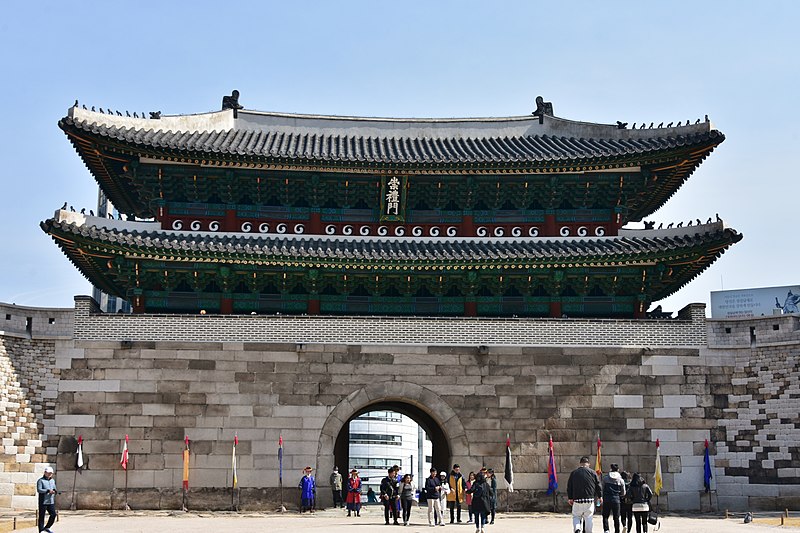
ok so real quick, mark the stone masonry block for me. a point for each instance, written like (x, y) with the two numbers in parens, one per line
(628, 400)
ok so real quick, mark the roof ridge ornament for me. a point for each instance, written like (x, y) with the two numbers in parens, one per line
(543, 108)
(232, 102)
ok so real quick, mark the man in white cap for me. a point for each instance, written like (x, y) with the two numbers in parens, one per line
(46, 488)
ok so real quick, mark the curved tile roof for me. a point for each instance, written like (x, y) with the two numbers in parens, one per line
(189, 245)
(516, 140)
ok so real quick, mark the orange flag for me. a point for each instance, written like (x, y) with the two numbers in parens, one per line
(186, 464)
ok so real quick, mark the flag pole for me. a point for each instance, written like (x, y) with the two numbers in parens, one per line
(127, 507)
(78, 465)
(185, 506)
(280, 470)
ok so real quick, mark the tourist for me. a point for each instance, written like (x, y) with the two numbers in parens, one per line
(640, 496)
(443, 492)
(492, 482)
(432, 489)
(389, 496)
(456, 496)
(308, 490)
(468, 494)
(336, 487)
(371, 498)
(626, 507)
(353, 499)
(46, 488)
(407, 491)
(613, 492)
(583, 488)
(480, 493)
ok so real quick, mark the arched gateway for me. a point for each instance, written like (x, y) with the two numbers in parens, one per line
(435, 416)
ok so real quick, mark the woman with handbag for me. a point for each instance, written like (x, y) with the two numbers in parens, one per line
(640, 495)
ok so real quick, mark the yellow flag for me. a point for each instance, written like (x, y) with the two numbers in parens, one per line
(598, 464)
(233, 462)
(658, 480)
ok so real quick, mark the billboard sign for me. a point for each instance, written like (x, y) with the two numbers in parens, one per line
(747, 303)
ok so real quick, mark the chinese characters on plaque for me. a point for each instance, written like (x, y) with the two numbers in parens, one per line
(393, 198)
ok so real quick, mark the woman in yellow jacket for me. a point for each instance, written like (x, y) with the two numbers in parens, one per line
(457, 491)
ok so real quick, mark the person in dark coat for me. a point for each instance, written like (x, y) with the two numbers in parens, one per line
(583, 489)
(481, 501)
(613, 492)
(389, 496)
(492, 482)
(626, 508)
(640, 495)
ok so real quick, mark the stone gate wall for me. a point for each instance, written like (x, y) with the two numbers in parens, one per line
(28, 390)
(680, 381)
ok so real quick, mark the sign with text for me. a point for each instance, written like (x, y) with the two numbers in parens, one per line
(393, 198)
(747, 303)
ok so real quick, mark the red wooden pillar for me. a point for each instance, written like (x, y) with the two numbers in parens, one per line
(315, 223)
(230, 220)
(467, 226)
(470, 306)
(138, 303)
(313, 305)
(226, 304)
(555, 309)
(550, 225)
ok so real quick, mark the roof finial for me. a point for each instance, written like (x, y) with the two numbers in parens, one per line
(543, 108)
(232, 102)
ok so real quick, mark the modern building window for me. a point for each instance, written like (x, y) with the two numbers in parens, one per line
(374, 438)
(363, 463)
(385, 416)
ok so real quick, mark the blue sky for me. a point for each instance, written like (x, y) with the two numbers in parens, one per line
(596, 61)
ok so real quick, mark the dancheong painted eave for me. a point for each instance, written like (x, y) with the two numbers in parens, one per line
(90, 242)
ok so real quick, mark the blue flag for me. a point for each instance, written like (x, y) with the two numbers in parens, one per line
(552, 476)
(707, 470)
(280, 459)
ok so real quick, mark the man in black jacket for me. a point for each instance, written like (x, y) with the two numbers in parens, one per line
(583, 489)
(389, 496)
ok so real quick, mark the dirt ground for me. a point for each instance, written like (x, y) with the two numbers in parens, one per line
(334, 521)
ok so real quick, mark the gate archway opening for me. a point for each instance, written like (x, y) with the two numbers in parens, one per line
(441, 453)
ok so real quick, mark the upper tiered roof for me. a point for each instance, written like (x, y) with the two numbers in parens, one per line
(283, 137)
(258, 140)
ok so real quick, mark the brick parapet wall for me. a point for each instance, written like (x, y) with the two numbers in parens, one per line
(36, 322)
(691, 331)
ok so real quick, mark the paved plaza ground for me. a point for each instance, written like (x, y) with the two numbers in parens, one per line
(333, 521)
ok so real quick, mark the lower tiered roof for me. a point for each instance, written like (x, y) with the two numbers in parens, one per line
(97, 246)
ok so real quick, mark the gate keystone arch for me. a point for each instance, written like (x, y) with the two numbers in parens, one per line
(415, 398)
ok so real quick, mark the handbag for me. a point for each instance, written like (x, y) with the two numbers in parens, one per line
(652, 517)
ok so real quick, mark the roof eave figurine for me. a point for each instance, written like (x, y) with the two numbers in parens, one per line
(543, 108)
(232, 102)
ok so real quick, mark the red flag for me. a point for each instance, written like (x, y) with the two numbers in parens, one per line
(124, 460)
